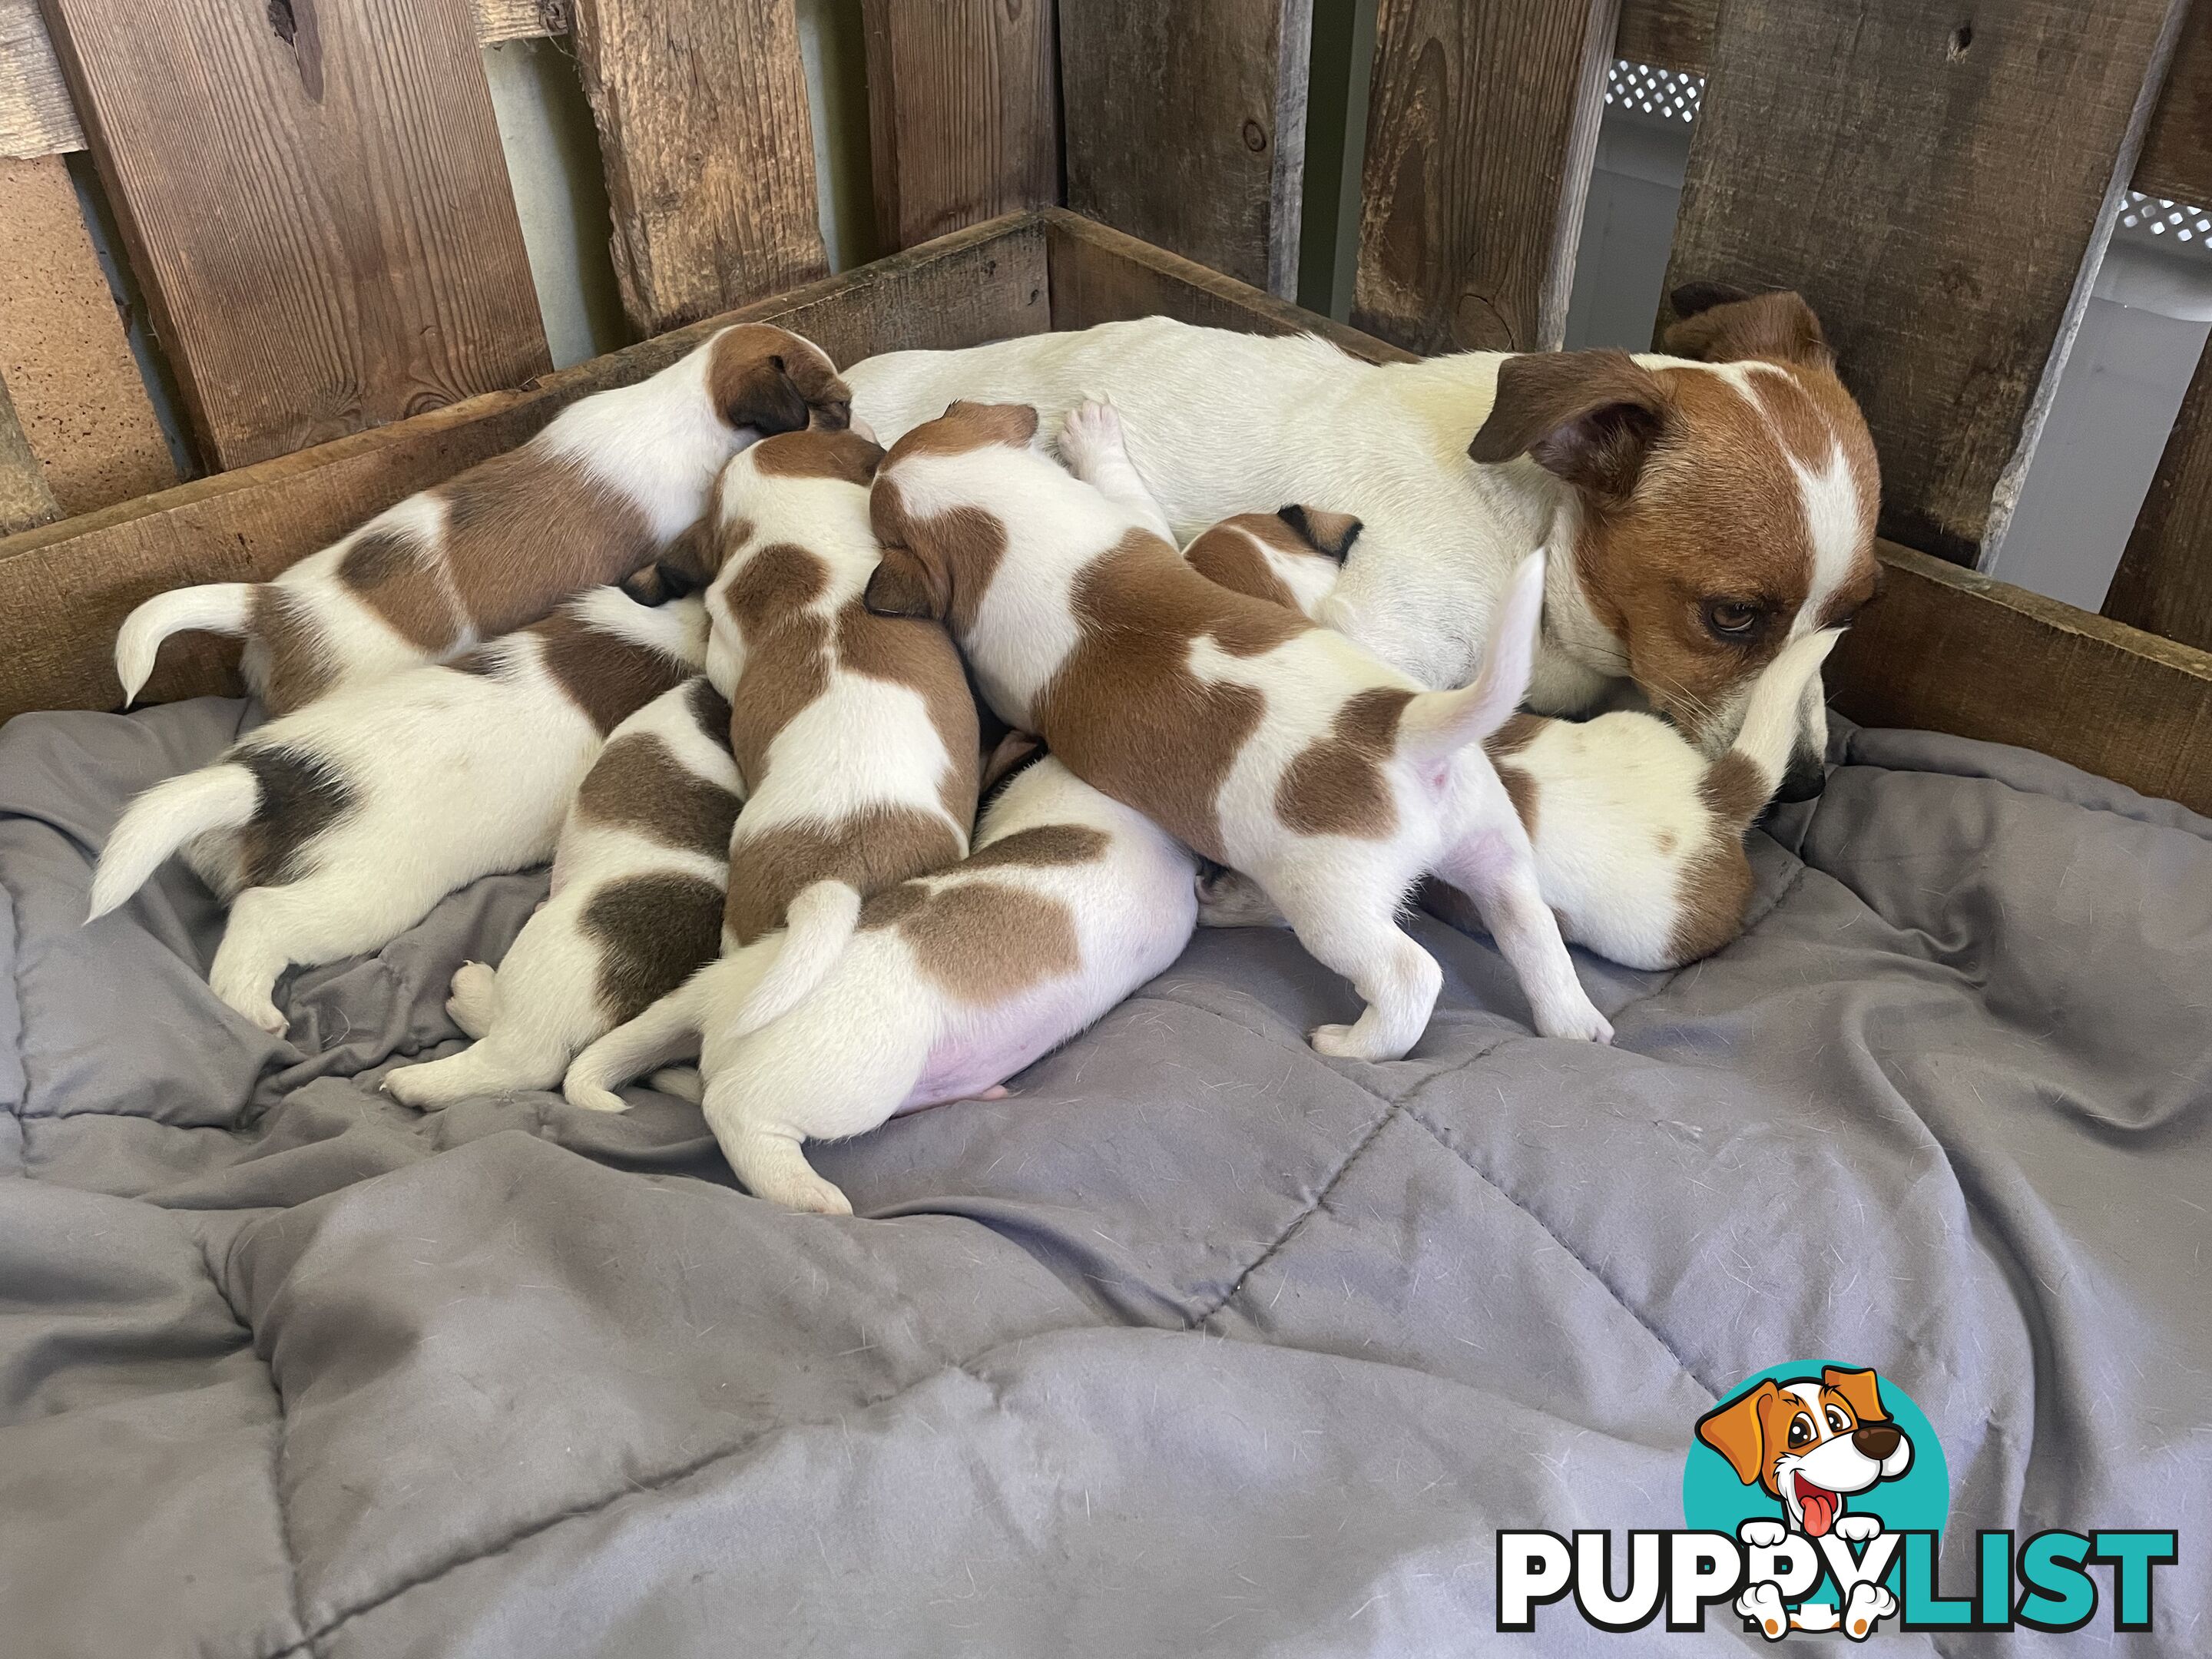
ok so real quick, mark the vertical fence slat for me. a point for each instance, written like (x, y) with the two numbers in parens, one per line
(2177, 152)
(1937, 182)
(963, 113)
(1186, 126)
(2164, 583)
(1481, 129)
(702, 116)
(1675, 35)
(316, 201)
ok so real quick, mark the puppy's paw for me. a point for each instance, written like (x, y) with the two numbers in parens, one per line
(810, 1194)
(1868, 1606)
(1858, 1528)
(1090, 437)
(1578, 1020)
(1762, 1534)
(592, 1098)
(1349, 1042)
(470, 1006)
(1762, 1605)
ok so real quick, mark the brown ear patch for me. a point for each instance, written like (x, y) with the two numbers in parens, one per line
(903, 585)
(1324, 531)
(819, 454)
(768, 380)
(1013, 752)
(295, 667)
(940, 566)
(1230, 555)
(394, 576)
(967, 426)
(653, 932)
(1737, 1429)
(607, 677)
(1336, 786)
(1586, 416)
(638, 784)
(1861, 1392)
(1778, 327)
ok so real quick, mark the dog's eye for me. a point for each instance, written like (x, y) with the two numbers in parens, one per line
(1837, 1423)
(1801, 1430)
(1732, 619)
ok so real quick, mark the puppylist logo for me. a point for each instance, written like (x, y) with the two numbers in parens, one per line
(1814, 1497)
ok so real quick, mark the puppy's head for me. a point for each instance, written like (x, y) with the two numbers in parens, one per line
(1726, 500)
(763, 380)
(1811, 1442)
(1291, 556)
(938, 557)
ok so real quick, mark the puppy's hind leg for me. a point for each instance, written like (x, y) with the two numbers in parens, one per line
(316, 919)
(1354, 930)
(1497, 869)
(767, 1156)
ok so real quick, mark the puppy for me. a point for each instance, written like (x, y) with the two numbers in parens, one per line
(953, 982)
(588, 500)
(332, 830)
(1256, 739)
(638, 880)
(1638, 837)
(854, 736)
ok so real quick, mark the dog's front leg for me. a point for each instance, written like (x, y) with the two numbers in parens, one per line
(1092, 445)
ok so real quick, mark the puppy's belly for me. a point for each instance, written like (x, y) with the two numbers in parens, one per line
(985, 1047)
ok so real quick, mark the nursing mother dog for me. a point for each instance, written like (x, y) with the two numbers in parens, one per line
(1702, 510)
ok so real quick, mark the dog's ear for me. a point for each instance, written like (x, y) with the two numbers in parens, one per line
(766, 380)
(1587, 416)
(1777, 326)
(904, 585)
(687, 564)
(1332, 533)
(1860, 1390)
(1737, 1431)
(1013, 750)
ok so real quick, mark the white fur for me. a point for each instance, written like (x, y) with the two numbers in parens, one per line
(542, 1006)
(1341, 893)
(877, 1036)
(453, 775)
(1221, 422)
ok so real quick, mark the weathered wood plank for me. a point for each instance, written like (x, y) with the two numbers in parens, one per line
(1187, 126)
(317, 204)
(1481, 131)
(702, 118)
(1953, 651)
(1675, 35)
(2164, 582)
(1991, 155)
(64, 589)
(25, 500)
(63, 351)
(963, 113)
(2176, 154)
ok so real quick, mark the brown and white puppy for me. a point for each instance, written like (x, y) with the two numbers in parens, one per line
(592, 498)
(638, 880)
(332, 830)
(1256, 739)
(1702, 510)
(1638, 837)
(855, 735)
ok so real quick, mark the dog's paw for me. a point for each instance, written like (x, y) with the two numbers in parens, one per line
(1090, 435)
(1762, 1534)
(1578, 1020)
(470, 1004)
(1856, 1529)
(1868, 1605)
(1762, 1605)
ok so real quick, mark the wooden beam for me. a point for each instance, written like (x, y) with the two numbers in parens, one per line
(2176, 155)
(2164, 582)
(316, 201)
(702, 117)
(963, 112)
(1674, 34)
(1187, 126)
(1481, 132)
(64, 589)
(1949, 273)
(25, 501)
(1953, 651)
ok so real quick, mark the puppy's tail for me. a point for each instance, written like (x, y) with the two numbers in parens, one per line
(819, 924)
(1738, 786)
(1438, 724)
(212, 608)
(668, 1030)
(162, 819)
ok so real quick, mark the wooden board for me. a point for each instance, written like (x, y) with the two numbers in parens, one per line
(963, 112)
(1482, 131)
(702, 118)
(2164, 582)
(1675, 35)
(323, 224)
(1875, 157)
(63, 351)
(65, 588)
(1953, 651)
(25, 501)
(2176, 155)
(1187, 126)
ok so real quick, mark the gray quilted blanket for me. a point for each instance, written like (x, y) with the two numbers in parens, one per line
(1199, 1344)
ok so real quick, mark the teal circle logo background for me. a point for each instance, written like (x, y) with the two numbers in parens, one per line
(1919, 1500)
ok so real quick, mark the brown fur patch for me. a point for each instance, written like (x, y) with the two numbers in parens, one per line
(1043, 846)
(940, 567)
(1516, 734)
(486, 661)
(1317, 530)
(980, 942)
(869, 851)
(824, 454)
(1716, 883)
(394, 576)
(787, 663)
(880, 910)
(653, 932)
(638, 784)
(1590, 417)
(919, 655)
(967, 426)
(525, 530)
(301, 798)
(768, 380)
(607, 677)
(1521, 789)
(1229, 553)
(297, 667)
(1336, 786)
(710, 710)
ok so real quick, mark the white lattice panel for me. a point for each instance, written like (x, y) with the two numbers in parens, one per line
(1646, 89)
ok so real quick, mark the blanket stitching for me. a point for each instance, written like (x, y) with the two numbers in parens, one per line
(1853, 757)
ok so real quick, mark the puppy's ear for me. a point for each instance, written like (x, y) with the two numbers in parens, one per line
(1692, 298)
(1013, 750)
(1587, 416)
(1780, 327)
(1737, 1432)
(766, 381)
(1860, 1390)
(1332, 533)
(1014, 425)
(904, 585)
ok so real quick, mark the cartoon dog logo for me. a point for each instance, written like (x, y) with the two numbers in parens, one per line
(1812, 1442)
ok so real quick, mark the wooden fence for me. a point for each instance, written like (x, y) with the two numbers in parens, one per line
(312, 195)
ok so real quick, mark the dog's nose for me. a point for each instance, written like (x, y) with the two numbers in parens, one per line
(1805, 779)
(1876, 1440)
